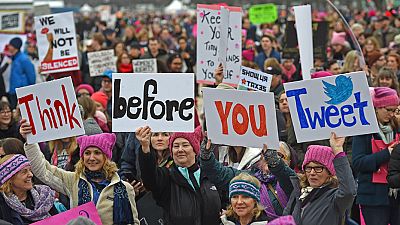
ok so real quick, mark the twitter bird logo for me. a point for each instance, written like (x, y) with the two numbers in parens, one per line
(339, 92)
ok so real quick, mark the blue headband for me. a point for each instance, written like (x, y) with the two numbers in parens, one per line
(243, 187)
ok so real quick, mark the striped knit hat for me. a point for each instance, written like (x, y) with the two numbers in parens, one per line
(12, 166)
(244, 187)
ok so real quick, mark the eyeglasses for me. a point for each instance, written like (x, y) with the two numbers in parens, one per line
(317, 169)
(4, 112)
(391, 110)
(82, 95)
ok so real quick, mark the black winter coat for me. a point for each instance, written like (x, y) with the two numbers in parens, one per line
(182, 205)
(393, 177)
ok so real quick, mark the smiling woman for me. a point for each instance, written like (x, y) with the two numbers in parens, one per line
(8, 127)
(21, 202)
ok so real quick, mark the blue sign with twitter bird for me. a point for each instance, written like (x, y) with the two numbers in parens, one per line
(339, 103)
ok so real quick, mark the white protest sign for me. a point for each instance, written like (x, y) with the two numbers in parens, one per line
(57, 43)
(241, 118)
(304, 37)
(51, 109)
(12, 21)
(212, 48)
(339, 103)
(101, 61)
(163, 101)
(255, 79)
(144, 65)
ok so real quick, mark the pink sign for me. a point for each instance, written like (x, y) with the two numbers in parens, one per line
(86, 210)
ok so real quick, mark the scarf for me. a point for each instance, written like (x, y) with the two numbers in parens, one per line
(122, 212)
(289, 73)
(43, 198)
(309, 194)
(386, 133)
(266, 179)
(125, 68)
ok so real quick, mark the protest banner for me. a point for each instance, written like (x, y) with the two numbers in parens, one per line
(12, 21)
(263, 13)
(144, 65)
(255, 79)
(241, 118)
(101, 61)
(219, 42)
(320, 40)
(51, 109)
(87, 210)
(340, 104)
(57, 44)
(163, 101)
(304, 35)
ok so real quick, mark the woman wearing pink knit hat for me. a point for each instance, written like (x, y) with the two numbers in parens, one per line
(326, 189)
(371, 153)
(186, 195)
(95, 178)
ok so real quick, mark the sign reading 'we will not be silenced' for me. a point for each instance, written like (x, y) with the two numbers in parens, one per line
(341, 104)
(163, 101)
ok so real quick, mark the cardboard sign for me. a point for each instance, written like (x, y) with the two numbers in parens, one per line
(219, 41)
(264, 13)
(241, 118)
(12, 21)
(57, 43)
(163, 101)
(304, 35)
(101, 61)
(320, 40)
(255, 79)
(339, 103)
(86, 210)
(51, 109)
(144, 65)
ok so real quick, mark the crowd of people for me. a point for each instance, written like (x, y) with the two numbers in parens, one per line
(190, 179)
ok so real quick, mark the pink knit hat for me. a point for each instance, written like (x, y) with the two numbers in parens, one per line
(320, 154)
(338, 38)
(105, 142)
(86, 87)
(283, 220)
(248, 54)
(384, 96)
(12, 166)
(321, 74)
(194, 139)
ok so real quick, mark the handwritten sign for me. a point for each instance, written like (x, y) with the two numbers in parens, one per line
(241, 118)
(264, 13)
(164, 101)
(339, 103)
(101, 61)
(12, 21)
(219, 41)
(144, 65)
(57, 43)
(51, 109)
(255, 79)
(87, 210)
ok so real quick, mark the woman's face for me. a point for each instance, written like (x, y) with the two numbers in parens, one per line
(82, 93)
(381, 62)
(176, 65)
(22, 181)
(119, 48)
(159, 140)
(93, 159)
(243, 205)
(183, 153)
(385, 81)
(392, 63)
(125, 59)
(283, 104)
(316, 174)
(385, 114)
(337, 47)
(369, 46)
(5, 116)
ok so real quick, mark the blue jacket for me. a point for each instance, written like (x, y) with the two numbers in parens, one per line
(22, 72)
(365, 164)
(130, 159)
(261, 57)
